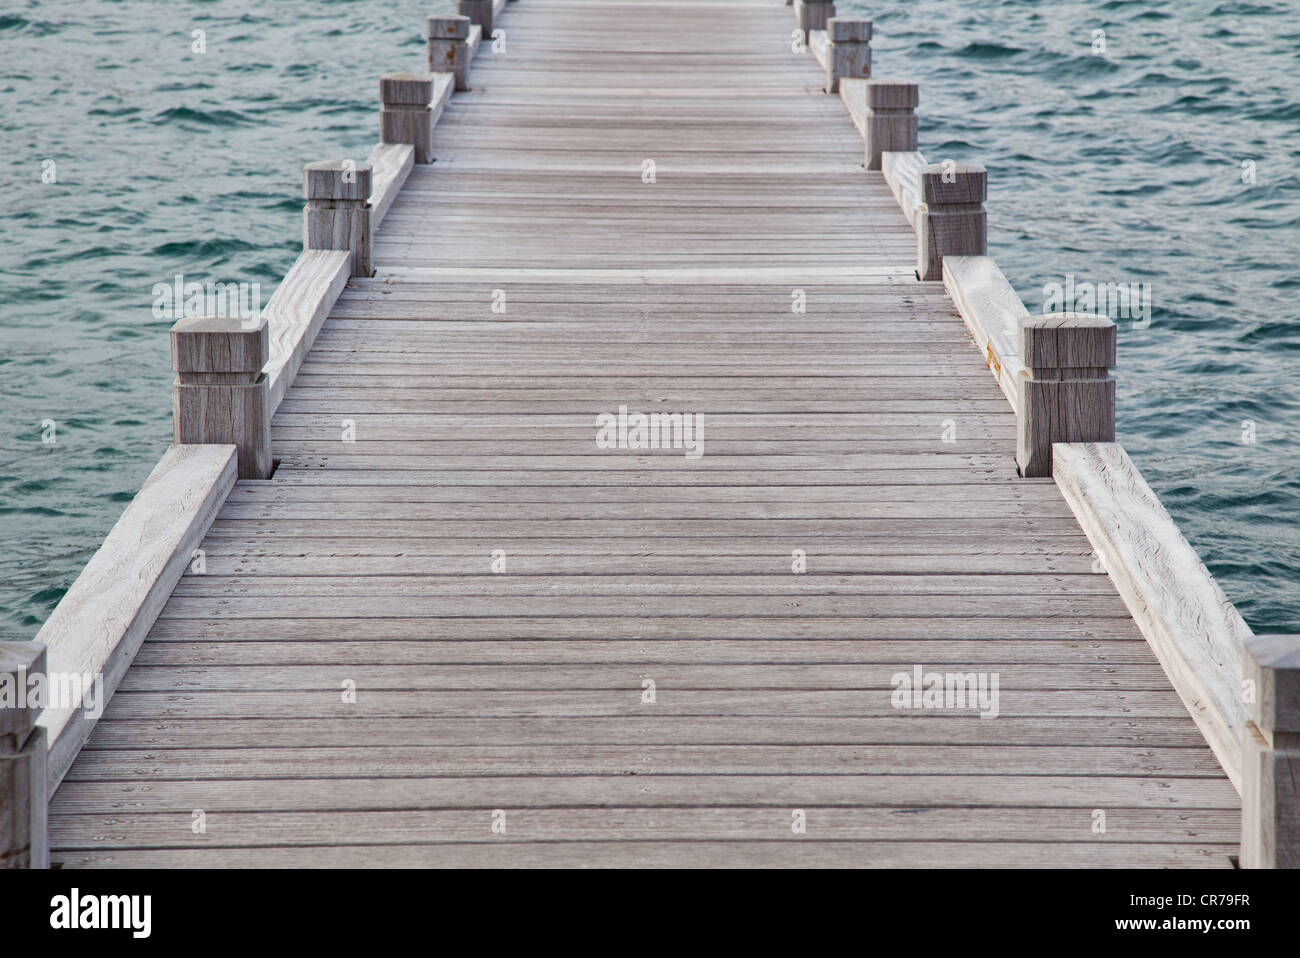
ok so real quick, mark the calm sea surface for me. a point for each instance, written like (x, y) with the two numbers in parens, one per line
(1124, 165)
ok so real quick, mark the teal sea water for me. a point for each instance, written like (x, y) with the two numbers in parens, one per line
(1122, 165)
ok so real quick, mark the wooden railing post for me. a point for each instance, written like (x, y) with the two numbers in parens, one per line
(449, 47)
(220, 395)
(813, 14)
(1067, 393)
(479, 13)
(951, 221)
(405, 115)
(337, 215)
(850, 51)
(891, 119)
(24, 804)
(1270, 793)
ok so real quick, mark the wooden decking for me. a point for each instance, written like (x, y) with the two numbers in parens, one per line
(865, 432)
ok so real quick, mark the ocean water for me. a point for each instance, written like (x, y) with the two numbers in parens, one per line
(1129, 164)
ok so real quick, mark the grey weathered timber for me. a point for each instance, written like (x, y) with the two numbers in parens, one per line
(102, 619)
(1067, 393)
(23, 750)
(849, 53)
(993, 314)
(1194, 630)
(390, 164)
(890, 123)
(812, 14)
(645, 659)
(1270, 793)
(337, 213)
(952, 220)
(296, 312)
(480, 13)
(853, 94)
(448, 47)
(902, 171)
(405, 115)
(221, 395)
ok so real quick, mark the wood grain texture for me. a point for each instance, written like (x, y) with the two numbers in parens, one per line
(811, 16)
(1270, 795)
(819, 45)
(853, 94)
(1067, 394)
(392, 164)
(297, 310)
(451, 47)
(1272, 666)
(24, 831)
(1194, 630)
(889, 123)
(405, 114)
(337, 213)
(18, 662)
(24, 835)
(777, 853)
(444, 536)
(480, 12)
(220, 393)
(848, 52)
(1270, 820)
(951, 220)
(902, 172)
(102, 619)
(993, 314)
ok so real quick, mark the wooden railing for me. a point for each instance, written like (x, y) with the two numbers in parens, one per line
(231, 375)
(1242, 690)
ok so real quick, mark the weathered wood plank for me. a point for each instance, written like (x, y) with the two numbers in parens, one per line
(1194, 630)
(882, 824)
(297, 311)
(102, 619)
(853, 93)
(439, 761)
(537, 272)
(391, 706)
(902, 791)
(735, 854)
(993, 313)
(392, 164)
(902, 171)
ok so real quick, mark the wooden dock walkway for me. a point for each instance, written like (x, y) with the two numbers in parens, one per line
(452, 630)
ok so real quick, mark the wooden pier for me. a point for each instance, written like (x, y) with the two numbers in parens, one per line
(452, 629)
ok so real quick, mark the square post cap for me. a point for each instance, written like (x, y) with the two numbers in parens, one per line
(448, 28)
(841, 30)
(336, 180)
(406, 89)
(1272, 662)
(1067, 341)
(892, 95)
(19, 661)
(220, 344)
(946, 183)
